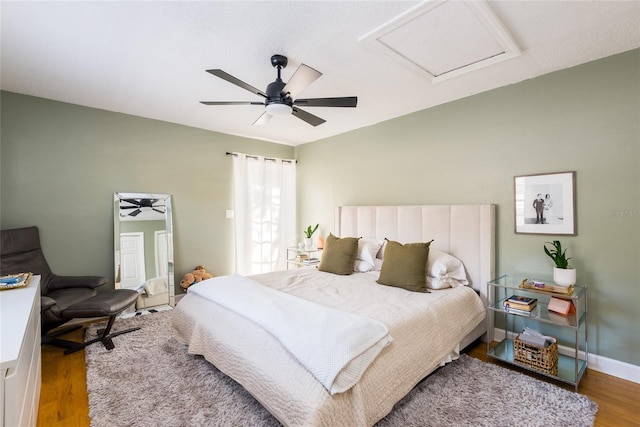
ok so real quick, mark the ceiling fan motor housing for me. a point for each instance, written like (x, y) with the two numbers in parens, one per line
(278, 103)
(275, 94)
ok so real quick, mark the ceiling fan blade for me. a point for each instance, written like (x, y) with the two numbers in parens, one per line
(135, 213)
(158, 210)
(302, 78)
(263, 119)
(228, 77)
(129, 207)
(307, 117)
(347, 101)
(231, 103)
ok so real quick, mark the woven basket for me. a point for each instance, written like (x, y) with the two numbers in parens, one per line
(543, 359)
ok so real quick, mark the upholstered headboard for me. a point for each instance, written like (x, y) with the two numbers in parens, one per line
(465, 231)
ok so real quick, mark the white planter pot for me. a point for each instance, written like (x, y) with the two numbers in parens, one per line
(308, 243)
(564, 276)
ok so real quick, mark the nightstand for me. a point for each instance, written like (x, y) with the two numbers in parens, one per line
(570, 331)
(297, 257)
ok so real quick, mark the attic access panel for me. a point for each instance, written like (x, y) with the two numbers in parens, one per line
(443, 39)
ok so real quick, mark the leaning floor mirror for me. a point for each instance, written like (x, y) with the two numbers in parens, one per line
(143, 247)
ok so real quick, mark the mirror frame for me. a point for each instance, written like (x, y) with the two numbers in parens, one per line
(166, 198)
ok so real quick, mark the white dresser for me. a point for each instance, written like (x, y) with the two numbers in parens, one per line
(20, 355)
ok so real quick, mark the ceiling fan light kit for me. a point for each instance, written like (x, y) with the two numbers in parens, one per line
(277, 109)
(279, 98)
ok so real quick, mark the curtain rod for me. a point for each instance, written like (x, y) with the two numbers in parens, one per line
(256, 157)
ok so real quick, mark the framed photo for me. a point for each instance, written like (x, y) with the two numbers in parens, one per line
(545, 203)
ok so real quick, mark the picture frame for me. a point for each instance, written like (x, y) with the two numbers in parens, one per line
(545, 203)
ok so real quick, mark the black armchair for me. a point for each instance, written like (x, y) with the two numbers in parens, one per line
(62, 297)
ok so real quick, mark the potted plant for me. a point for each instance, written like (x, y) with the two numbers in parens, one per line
(308, 233)
(563, 273)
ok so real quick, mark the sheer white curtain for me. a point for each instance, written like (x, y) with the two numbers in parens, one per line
(264, 193)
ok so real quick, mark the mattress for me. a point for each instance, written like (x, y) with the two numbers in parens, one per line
(426, 329)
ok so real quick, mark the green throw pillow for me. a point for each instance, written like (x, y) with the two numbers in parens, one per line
(404, 266)
(339, 255)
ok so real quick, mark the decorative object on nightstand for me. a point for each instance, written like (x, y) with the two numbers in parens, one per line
(564, 360)
(563, 273)
(561, 306)
(537, 351)
(308, 239)
(519, 304)
(551, 288)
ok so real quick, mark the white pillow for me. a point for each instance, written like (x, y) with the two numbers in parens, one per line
(365, 258)
(445, 283)
(444, 271)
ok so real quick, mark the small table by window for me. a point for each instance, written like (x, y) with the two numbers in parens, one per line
(297, 257)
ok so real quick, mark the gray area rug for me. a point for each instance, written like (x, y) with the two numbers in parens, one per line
(149, 379)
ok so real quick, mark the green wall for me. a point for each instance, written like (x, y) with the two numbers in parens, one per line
(585, 119)
(61, 164)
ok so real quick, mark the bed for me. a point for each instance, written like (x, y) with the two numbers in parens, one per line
(427, 329)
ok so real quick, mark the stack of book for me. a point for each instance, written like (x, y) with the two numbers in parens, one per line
(311, 261)
(519, 304)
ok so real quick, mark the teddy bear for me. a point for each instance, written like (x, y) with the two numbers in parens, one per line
(188, 280)
(197, 275)
(201, 273)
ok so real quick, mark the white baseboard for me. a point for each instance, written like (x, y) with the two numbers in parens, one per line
(615, 368)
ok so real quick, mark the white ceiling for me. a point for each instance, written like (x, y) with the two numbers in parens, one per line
(149, 58)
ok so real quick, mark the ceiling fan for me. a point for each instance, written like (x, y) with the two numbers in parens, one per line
(140, 204)
(280, 98)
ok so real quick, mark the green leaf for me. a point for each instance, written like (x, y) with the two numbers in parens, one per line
(558, 255)
(309, 231)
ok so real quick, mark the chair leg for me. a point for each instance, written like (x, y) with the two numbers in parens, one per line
(57, 342)
(63, 331)
(50, 337)
(104, 335)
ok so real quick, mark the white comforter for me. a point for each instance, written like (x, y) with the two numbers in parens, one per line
(334, 345)
(426, 331)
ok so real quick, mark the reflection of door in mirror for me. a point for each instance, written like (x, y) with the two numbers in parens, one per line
(132, 268)
(143, 247)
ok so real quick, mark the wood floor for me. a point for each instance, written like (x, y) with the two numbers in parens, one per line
(64, 401)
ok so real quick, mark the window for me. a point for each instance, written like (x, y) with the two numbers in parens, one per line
(265, 212)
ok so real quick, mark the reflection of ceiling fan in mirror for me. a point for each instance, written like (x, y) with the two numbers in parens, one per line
(140, 205)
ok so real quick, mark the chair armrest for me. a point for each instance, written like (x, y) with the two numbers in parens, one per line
(46, 303)
(62, 282)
